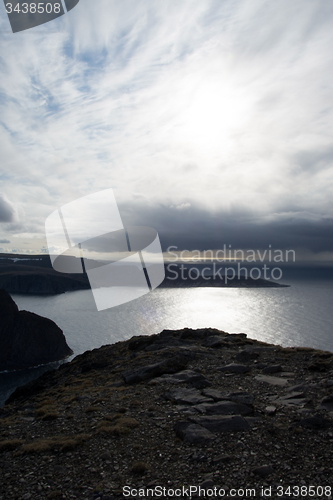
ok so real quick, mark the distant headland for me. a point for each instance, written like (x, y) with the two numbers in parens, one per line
(34, 275)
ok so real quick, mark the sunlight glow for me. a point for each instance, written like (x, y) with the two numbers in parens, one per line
(215, 112)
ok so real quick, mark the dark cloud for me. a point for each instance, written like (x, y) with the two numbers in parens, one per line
(7, 210)
(197, 228)
(4, 241)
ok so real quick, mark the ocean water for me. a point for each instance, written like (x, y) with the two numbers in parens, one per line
(300, 315)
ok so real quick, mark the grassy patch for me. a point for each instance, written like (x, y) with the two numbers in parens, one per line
(55, 443)
(135, 403)
(139, 467)
(99, 400)
(122, 425)
(6, 422)
(10, 444)
(47, 412)
(46, 402)
(115, 430)
(55, 494)
(69, 400)
(91, 409)
(50, 416)
(129, 422)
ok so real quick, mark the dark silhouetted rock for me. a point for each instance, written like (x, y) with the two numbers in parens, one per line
(27, 339)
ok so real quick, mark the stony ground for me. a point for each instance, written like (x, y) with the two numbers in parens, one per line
(190, 408)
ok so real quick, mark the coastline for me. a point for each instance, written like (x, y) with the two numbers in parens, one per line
(189, 407)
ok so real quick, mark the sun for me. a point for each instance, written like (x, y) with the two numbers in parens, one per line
(214, 113)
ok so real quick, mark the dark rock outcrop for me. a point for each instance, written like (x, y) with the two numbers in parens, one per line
(27, 339)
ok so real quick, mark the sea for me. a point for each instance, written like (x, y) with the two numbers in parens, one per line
(297, 315)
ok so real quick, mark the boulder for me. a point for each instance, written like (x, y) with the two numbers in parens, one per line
(26, 339)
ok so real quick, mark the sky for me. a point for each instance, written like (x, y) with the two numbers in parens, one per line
(211, 121)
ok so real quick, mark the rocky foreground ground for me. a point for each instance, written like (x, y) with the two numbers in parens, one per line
(161, 416)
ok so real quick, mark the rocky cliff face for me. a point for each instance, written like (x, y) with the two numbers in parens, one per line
(27, 339)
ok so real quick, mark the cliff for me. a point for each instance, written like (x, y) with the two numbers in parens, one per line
(27, 339)
(189, 408)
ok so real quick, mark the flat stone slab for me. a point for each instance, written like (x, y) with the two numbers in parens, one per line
(292, 399)
(299, 387)
(240, 397)
(293, 395)
(187, 396)
(224, 408)
(215, 394)
(217, 423)
(267, 379)
(185, 376)
(292, 402)
(193, 433)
